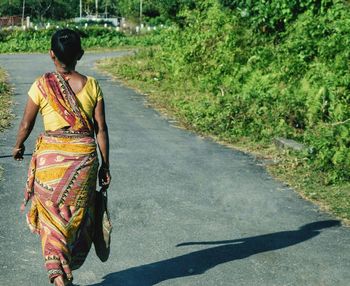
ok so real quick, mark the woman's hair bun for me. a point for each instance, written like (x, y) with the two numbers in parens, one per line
(66, 45)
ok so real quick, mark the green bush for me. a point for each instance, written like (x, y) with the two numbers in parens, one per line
(31, 40)
(5, 103)
(293, 83)
(274, 15)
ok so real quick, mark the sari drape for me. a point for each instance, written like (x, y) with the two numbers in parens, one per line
(62, 182)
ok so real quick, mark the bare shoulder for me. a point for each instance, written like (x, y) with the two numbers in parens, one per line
(77, 81)
(80, 77)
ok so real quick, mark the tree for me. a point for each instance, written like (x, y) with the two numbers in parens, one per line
(171, 8)
(11, 7)
(63, 9)
(167, 9)
(40, 9)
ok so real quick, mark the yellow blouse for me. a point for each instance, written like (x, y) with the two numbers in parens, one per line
(87, 98)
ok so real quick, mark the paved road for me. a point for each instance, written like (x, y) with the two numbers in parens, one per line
(186, 210)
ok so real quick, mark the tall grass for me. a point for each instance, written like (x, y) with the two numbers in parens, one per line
(5, 102)
(242, 77)
(293, 83)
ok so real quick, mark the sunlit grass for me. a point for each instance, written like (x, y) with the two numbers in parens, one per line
(289, 167)
(5, 102)
(5, 106)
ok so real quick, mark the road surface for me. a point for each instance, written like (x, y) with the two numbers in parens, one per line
(186, 211)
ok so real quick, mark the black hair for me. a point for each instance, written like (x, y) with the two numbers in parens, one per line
(66, 45)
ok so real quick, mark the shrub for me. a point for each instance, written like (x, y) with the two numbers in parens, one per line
(294, 82)
(31, 40)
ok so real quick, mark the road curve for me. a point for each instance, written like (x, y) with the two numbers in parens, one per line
(186, 210)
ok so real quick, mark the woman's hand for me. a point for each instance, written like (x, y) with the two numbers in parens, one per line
(17, 152)
(104, 177)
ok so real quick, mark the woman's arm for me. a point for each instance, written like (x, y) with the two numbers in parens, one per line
(101, 131)
(25, 127)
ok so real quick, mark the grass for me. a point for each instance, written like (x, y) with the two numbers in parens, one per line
(284, 165)
(5, 102)
(106, 50)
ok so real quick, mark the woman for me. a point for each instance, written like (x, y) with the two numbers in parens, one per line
(63, 171)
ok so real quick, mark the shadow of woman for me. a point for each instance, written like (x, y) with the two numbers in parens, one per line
(198, 262)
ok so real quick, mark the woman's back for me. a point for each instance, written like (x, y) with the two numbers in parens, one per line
(87, 92)
(76, 81)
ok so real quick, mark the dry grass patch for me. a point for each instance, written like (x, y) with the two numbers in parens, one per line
(5, 102)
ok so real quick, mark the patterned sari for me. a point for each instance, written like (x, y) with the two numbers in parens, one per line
(62, 182)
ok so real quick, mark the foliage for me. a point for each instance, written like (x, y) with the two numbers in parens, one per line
(131, 9)
(57, 9)
(246, 83)
(31, 40)
(162, 10)
(153, 12)
(10, 7)
(273, 15)
(39, 9)
(5, 115)
(171, 8)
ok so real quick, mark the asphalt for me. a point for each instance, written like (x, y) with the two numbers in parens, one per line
(186, 210)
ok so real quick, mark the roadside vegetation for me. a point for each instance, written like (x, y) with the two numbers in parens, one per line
(5, 106)
(93, 37)
(245, 73)
(5, 102)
